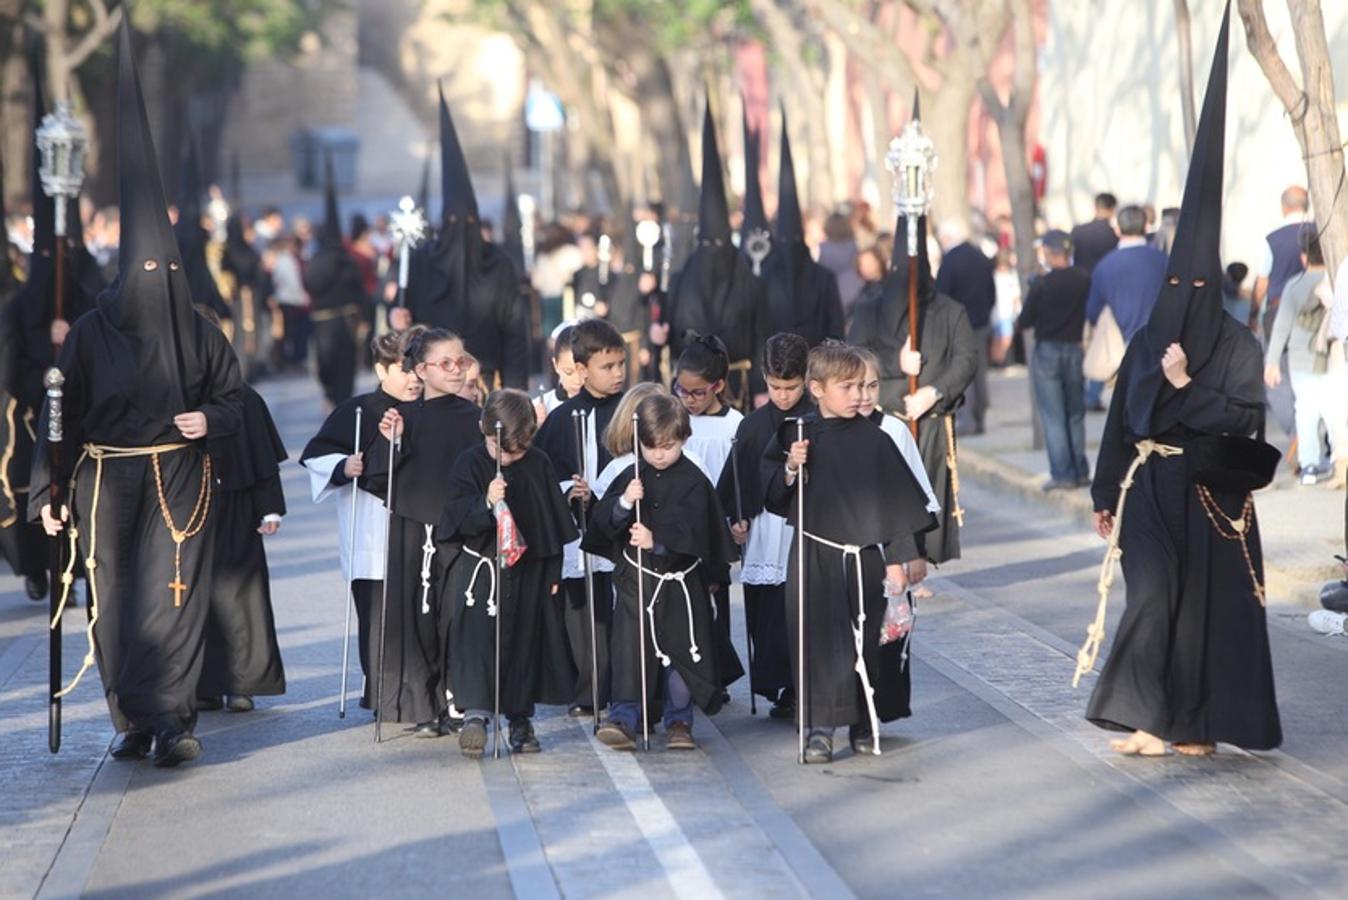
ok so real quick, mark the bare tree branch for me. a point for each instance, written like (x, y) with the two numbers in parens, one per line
(104, 25)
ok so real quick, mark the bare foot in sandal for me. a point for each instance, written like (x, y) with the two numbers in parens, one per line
(1195, 749)
(1139, 743)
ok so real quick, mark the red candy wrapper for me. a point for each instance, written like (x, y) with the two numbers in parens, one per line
(508, 536)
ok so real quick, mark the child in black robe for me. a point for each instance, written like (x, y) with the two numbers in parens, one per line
(600, 359)
(434, 431)
(535, 665)
(682, 544)
(859, 493)
(335, 460)
(763, 536)
(242, 655)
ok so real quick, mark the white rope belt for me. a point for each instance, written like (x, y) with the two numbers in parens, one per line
(489, 563)
(427, 555)
(664, 578)
(853, 552)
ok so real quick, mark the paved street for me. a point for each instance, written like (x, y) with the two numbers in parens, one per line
(995, 786)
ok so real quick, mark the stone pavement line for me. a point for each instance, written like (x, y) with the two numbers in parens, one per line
(982, 649)
(812, 871)
(74, 862)
(16, 654)
(523, 851)
(687, 874)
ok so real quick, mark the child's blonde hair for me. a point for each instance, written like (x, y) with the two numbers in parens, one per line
(835, 361)
(618, 435)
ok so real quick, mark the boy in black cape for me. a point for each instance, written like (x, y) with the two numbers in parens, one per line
(1190, 665)
(335, 464)
(599, 355)
(859, 493)
(147, 380)
(685, 545)
(763, 536)
(535, 665)
(434, 431)
(243, 657)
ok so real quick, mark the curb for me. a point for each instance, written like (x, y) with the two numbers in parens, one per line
(1299, 587)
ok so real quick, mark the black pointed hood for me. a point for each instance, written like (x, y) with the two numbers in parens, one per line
(713, 215)
(333, 278)
(790, 223)
(1188, 308)
(150, 304)
(424, 189)
(330, 235)
(456, 184)
(755, 217)
(512, 227)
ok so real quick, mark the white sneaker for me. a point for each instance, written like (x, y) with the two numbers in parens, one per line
(1326, 621)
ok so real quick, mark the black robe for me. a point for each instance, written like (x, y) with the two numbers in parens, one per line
(950, 356)
(1190, 661)
(858, 491)
(333, 281)
(557, 438)
(716, 293)
(802, 295)
(416, 670)
(764, 605)
(242, 653)
(684, 515)
(535, 661)
(149, 651)
(335, 437)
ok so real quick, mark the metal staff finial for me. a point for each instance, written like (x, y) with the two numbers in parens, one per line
(408, 225)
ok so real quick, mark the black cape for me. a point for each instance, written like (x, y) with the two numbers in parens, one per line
(682, 510)
(242, 653)
(557, 437)
(535, 662)
(757, 431)
(858, 490)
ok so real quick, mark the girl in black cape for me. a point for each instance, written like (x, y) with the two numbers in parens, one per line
(535, 662)
(335, 460)
(944, 371)
(243, 657)
(686, 546)
(1190, 664)
(858, 493)
(434, 431)
(147, 379)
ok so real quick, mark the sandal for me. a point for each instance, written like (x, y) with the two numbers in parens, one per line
(1196, 749)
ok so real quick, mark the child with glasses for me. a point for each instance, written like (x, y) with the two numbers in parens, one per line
(432, 431)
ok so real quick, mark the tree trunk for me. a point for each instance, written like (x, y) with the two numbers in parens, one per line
(1185, 41)
(15, 140)
(1312, 113)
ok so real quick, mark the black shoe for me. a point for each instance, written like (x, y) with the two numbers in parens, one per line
(473, 737)
(578, 711)
(861, 739)
(172, 748)
(616, 735)
(818, 748)
(239, 703)
(725, 696)
(364, 703)
(36, 586)
(429, 729)
(785, 706)
(450, 723)
(522, 737)
(132, 745)
(210, 704)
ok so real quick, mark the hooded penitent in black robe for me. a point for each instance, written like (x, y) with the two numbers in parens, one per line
(140, 358)
(26, 354)
(334, 284)
(716, 293)
(557, 438)
(459, 281)
(535, 661)
(1190, 661)
(949, 358)
(416, 670)
(803, 296)
(684, 514)
(858, 491)
(763, 572)
(242, 653)
(325, 457)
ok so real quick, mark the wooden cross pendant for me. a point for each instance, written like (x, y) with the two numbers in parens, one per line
(178, 587)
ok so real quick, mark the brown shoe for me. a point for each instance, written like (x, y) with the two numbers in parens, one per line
(616, 735)
(679, 736)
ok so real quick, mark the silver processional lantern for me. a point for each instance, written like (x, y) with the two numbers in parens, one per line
(62, 141)
(911, 160)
